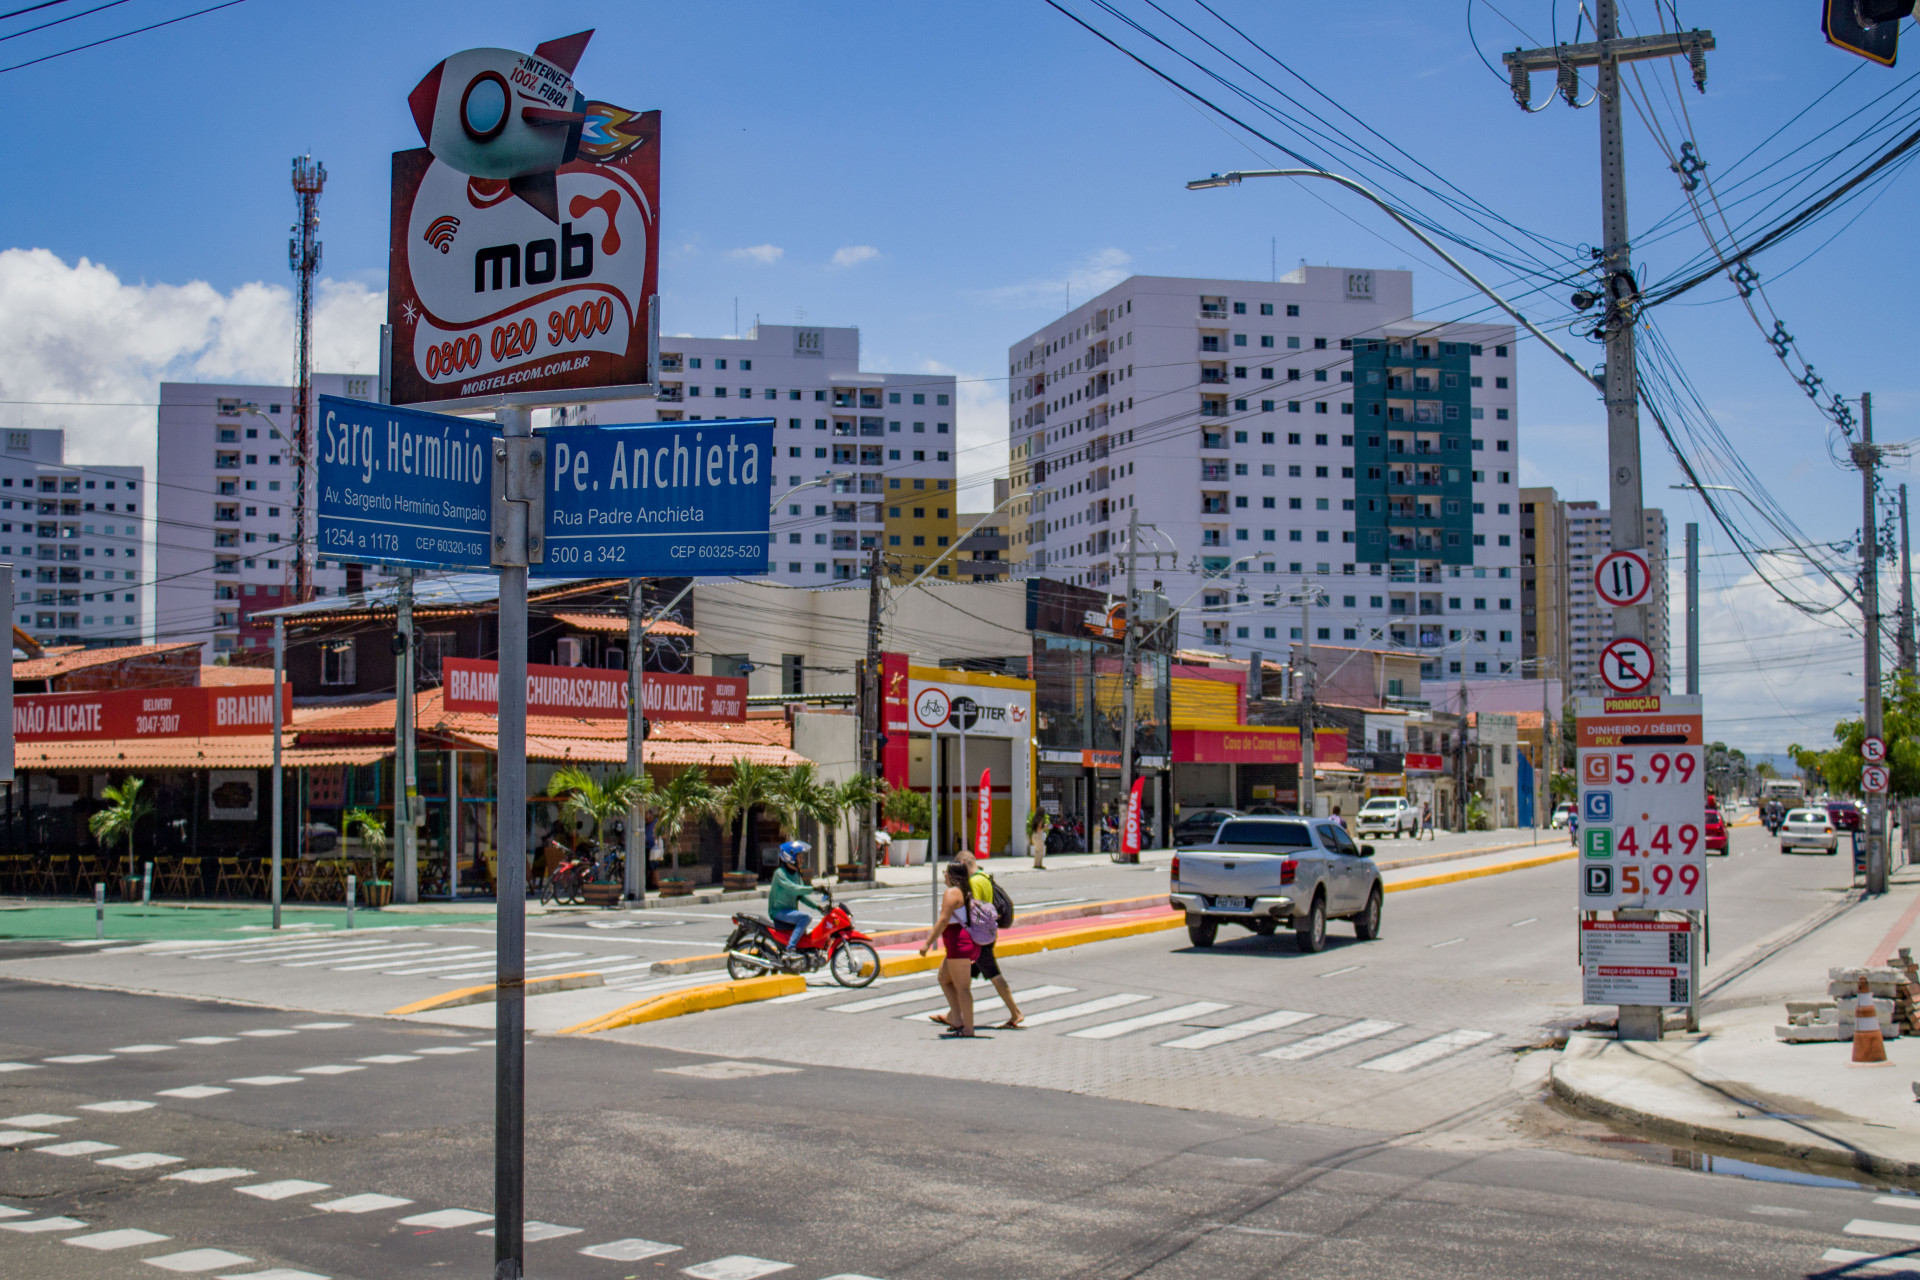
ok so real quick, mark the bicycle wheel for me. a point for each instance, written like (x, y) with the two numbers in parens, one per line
(855, 964)
(549, 892)
(577, 888)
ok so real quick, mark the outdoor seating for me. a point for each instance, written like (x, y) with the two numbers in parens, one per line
(180, 876)
(15, 871)
(50, 873)
(234, 879)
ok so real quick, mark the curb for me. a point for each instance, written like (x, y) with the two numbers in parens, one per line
(1814, 1150)
(673, 1004)
(894, 966)
(1475, 873)
(489, 993)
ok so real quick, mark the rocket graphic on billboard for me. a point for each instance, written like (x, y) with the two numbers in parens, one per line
(525, 234)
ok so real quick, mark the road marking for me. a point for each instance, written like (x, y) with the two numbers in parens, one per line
(194, 1091)
(282, 1189)
(629, 1250)
(1327, 1041)
(1896, 1202)
(735, 1266)
(1158, 1018)
(125, 1238)
(115, 1108)
(209, 1040)
(385, 955)
(275, 1273)
(463, 962)
(1449, 942)
(1879, 1263)
(321, 1026)
(305, 953)
(1529, 920)
(983, 1008)
(263, 1082)
(1085, 1008)
(447, 1218)
(146, 1048)
(533, 1231)
(19, 1066)
(917, 995)
(207, 1175)
(1334, 973)
(1858, 1227)
(329, 1069)
(76, 1148)
(74, 1059)
(8, 1211)
(1418, 1055)
(467, 955)
(389, 1059)
(15, 1137)
(1238, 1031)
(140, 1160)
(546, 960)
(200, 1260)
(798, 996)
(445, 1049)
(366, 1203)
(43, 1224)
(37, 1120)
(728, 1070)
(265, 1032)
(1776, 1211)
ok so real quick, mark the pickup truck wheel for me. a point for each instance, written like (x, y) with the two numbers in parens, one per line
(1201, 933)
(1312, 933)
(1366, 925)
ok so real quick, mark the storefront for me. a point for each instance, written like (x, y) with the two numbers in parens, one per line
(1240, 766)
(948, 729)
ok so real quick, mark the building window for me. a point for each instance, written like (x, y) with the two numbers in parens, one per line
(336, 662)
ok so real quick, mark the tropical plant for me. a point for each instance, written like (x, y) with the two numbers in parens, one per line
(801, 796)
(854, 795)
(687, 796)
(1476, 813)
(752, 785)
(124, 809)
(369, 826)
(597, 801)
(1561, 786)
(913, 808)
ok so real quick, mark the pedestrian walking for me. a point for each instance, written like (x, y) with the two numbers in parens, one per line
(1426, 818)
(951, 930)
(986, 932)
(1337, 819)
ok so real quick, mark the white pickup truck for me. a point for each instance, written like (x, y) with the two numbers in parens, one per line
(1261, 873)
(1389, 816)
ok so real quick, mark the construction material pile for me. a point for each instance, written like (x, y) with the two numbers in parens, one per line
(1896, 994)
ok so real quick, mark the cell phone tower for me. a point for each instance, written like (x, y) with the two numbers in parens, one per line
(303, 255)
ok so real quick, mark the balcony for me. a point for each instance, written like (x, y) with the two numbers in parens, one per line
(843, 399)
(1213, 408)
(226, 461)
(670, 364)
(1213, 505)
(872, 427)
(671, 395)
(1213, 538)
(1211, 342)
(1213, 439)
(224, 511)
(869, 399)
(228, 488)
(1213, 375)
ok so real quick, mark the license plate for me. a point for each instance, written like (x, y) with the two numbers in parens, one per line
(1231, 904)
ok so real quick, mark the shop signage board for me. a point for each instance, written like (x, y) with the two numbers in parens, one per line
(595, 693)
(995, 712)
(401, 487)
(1644, 962)
(1641, 762)
(661, 499)
(1256, 745)
(217, 712)
(1426, 762)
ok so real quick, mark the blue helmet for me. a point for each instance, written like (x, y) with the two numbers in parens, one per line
(792, 851)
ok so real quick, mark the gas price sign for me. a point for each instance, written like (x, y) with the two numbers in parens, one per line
(1643, 802)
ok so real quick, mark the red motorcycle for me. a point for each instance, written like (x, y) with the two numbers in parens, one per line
(758, 947)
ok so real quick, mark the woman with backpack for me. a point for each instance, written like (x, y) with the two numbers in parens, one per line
(953, 929)
(991, 899)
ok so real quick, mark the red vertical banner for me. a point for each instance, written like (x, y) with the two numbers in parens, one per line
(1130, 833)
(893, 718)
(983, 824)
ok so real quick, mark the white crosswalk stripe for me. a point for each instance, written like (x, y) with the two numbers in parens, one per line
(1207, 1039)
(989, 1008)
(1878, 1264)
(1860, 1227)
(1338, 1038)
(1158, 1018)
(1419, 1055)
(919, 995)
(1085, 1009)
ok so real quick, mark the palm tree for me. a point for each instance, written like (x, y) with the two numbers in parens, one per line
(598, 802)
(800, 795)
(752, 785)
(125, 808)
(853, 796)
(688, 796)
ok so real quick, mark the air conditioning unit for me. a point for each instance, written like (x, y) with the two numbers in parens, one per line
(570, 651)
(615, 658)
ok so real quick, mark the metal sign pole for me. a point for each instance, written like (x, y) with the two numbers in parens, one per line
(937, 792)
(279, 788)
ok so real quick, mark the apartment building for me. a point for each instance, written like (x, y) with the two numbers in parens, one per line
(73, 535)
(1543, 585)
(1589, 620)
(865, 459)
(225, 481)
(1310, 433)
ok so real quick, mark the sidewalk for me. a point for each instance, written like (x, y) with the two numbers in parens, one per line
(1735, 1083)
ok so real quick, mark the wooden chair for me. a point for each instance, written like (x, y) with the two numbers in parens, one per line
(15, 872)
(232, 879)
(293, 879)
(50, 874)
(88, 872)
(183, 876)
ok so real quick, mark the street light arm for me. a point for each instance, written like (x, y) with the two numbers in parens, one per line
(1233, 179)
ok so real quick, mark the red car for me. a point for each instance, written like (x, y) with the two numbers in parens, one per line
(1716, 833)
(1845, 815)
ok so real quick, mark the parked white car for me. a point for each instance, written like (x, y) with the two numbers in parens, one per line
(1809, 829)
(1562, 815)
(1388, 816)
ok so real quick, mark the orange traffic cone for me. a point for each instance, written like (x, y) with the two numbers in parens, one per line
(1868, 1046)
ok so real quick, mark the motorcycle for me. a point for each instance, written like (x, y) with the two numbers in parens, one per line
(757, 947)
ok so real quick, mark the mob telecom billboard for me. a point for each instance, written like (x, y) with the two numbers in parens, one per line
(525, 234)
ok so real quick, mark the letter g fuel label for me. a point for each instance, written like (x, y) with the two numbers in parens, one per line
(664, 498)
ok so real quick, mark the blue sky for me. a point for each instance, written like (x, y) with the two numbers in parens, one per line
(991, 156)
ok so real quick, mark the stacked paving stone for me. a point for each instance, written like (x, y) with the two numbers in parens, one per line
(1896, 992)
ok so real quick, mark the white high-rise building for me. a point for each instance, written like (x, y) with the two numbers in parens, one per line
(882, 445)
(1589, 620)
(73, 535)
(1275, 434)
(225, 480)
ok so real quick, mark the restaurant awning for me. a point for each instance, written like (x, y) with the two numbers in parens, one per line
(249, 752)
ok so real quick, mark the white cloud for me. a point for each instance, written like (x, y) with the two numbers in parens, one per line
(76, 335)
(1097, 272)
(764, 254)
(854, 255)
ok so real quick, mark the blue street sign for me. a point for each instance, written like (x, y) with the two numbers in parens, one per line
(397, 486)
(1599, 806)
(669, 498)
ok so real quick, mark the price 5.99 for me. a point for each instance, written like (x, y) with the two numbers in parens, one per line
(1658, 768)
(1659, 878)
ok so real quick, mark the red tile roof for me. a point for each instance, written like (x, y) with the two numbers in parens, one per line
(616, 624)
(185, 753)
(67, 659)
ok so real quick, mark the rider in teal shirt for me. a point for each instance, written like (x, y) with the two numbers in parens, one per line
(789, 890)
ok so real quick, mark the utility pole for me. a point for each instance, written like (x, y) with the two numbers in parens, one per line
(406, 870)
(1128, 658)
(872, 717)
(1867, 457)
(1693, 609)
(1619, 296)
(303, 256)
(1306, 700)
(635, 888)
(279, 787)
(1460, 759)
(1908, 655)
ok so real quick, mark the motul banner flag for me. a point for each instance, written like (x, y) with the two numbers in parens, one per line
(596, 693)
(983, 827)
(1130, 833)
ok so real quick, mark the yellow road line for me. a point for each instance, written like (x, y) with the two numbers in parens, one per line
(488, 993)
(1474, 873)
(673, 1004)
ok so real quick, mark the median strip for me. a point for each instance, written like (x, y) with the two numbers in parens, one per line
(674, 1004)
(491, 992)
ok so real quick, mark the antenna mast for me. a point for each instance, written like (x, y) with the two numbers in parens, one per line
(303, 256)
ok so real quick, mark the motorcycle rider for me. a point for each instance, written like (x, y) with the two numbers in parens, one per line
(788, 891)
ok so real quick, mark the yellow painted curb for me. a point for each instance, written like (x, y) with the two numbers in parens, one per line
(488, 993)
(895, 966)
(673, 1004)
(1474, 873)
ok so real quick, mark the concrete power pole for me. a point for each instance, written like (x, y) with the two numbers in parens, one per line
(1693, 608)
(406, 852)
(1867, 458)
(1128, 658)
(872, 713)
(1908, 654)
(635, 888)
(303, 256)
(1306, 701)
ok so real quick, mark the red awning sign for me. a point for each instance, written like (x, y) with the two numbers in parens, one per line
(193, 712)
(596, 693)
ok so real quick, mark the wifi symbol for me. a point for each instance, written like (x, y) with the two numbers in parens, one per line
(440, 233)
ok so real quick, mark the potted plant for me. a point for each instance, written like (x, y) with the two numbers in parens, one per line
(372, 832)
(687, 796)
(598, 802)
(909, 820)
(752, 786)
(853, 796)
(125, 807)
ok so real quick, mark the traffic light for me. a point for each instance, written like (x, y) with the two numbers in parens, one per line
(1870, 28)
